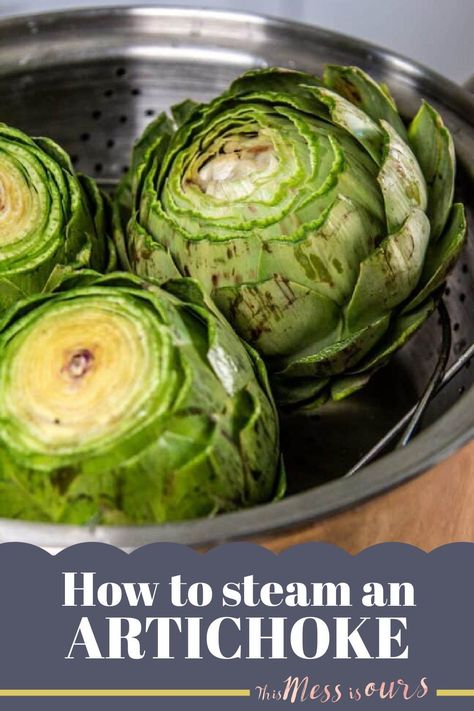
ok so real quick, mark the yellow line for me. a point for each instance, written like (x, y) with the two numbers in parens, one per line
(125, 692)
(454, 692)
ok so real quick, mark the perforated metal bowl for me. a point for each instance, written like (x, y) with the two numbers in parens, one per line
(93, 79)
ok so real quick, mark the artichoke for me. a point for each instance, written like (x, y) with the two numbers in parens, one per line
(122, 402)
(320, 225)
(51, 220)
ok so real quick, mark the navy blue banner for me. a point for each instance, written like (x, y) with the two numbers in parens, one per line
(238, 627)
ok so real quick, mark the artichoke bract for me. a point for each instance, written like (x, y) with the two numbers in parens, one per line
(321, 226)
(51, 220)
(122, 402)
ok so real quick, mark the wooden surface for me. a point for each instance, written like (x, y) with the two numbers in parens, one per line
(429, 511)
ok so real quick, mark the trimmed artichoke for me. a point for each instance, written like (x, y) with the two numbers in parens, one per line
(121, 402)
(50, 219)
(320, 225)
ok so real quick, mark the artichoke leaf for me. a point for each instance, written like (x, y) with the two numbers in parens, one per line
(433, 146)
(389, 275)
(183, 111)
(14, 134)
(339, 356)
(293, 392)
(441, 256)
(282, 483)
(277, 315)
(190, 291)
(101, 209)
(121, 211)
(31, 498)
(252, 408)
(154, 141)
(219, 264)
(311, 407)
(402, 328)
(68, 280)
(355, 121)
(214, 339)
(96, 201)
(10, 292)
(401, 180)
(58, 276)
(81, 247)
(346, 385)
(56, 152)
(272, 79)
(361, 90)
(326, 258)
(148, 258)
(144, 194)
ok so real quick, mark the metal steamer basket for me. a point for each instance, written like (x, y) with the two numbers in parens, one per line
(92, 80)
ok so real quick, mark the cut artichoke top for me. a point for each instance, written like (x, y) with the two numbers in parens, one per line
(320, 226)
(80, 374)
(122, 402)
(51, 220)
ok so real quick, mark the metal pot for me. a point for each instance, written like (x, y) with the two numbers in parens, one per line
(92, 79)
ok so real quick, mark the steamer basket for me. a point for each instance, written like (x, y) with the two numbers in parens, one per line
(93, 79)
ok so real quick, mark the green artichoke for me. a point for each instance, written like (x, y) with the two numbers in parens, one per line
(121, 402)
(321, 226)
(50, 219)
